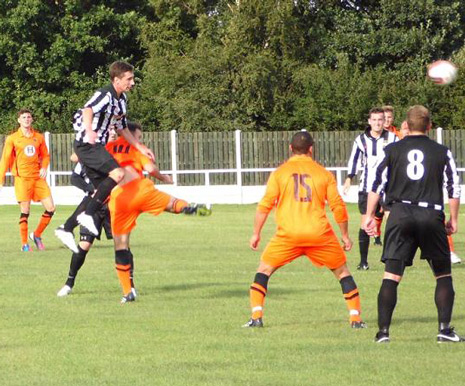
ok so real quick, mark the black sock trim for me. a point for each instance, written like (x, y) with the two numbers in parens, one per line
(262, 279)
(258, 290)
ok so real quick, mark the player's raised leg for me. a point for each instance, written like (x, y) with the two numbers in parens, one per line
(77, 260)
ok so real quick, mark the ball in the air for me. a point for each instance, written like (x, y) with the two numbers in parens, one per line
(442, 72)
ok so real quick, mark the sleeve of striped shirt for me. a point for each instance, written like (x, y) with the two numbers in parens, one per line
(354, 160)
(380, 180)
(99, 102)
(451, 177)
(271, 195)
(336, 204)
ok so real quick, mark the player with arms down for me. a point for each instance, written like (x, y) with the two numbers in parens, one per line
(299, 189)
(412, 175)
(26, 154)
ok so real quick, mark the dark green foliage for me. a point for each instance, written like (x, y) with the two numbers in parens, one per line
(214, 65)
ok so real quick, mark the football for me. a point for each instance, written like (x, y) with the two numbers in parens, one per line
(442, 72)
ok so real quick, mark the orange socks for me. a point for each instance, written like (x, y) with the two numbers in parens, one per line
(451, 243)
(178, 205)
(124, 277)
(44, 221)
(23, 227)
(352, 298)
(123, 269)
(258, 291)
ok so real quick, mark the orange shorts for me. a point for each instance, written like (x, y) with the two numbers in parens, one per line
(35, 189)
(127, 202)
(281, 251)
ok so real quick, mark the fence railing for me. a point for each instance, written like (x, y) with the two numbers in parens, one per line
(230, 158)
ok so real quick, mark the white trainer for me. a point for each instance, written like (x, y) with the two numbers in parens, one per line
(454, 259)
(67, 238)
(87, 221)
(134, 292)
(65, 291)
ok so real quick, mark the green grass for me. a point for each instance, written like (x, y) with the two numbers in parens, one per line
(193, 276)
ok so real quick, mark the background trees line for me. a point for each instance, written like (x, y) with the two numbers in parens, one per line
(214, 65)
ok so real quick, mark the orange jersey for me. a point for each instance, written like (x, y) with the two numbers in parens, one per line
(25, 156)
(300, 188)
(394, 130)
(127, 155)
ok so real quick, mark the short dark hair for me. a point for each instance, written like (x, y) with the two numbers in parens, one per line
(133, 126)
(375, 110)
(118, 68)
(388, 109)
(301, 142)
(418, 118)
(24, 111)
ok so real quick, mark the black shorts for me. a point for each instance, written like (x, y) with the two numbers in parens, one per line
(362, 205)
(439, 267)
(97, 161)
(410, 227)
(101, 221)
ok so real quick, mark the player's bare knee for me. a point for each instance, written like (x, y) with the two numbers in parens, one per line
(117, 174)
(265, 269)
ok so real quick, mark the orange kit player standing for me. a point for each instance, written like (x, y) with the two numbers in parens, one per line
(26, 155)
(299, 189)
(133, 196)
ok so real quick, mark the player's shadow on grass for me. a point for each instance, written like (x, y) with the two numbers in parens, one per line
(244, 291)
(424, 319)
(187, 286)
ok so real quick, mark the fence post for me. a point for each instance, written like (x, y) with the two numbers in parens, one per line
(47, 143)
(237, 134)
(174, 164)
(439, 135)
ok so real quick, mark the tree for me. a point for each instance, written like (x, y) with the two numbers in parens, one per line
(55, 52)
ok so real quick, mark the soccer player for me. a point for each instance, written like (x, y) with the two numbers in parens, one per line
(26, 155)
(368, 149)
(82, 249)
(106, 108)
(80, 180)
(299, 189)
(136, 195)
(389, 121)
(454, 258)
(412, 175)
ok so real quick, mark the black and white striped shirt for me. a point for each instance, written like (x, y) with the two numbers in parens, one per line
(415, 171)
(367, 152)
(108, 110)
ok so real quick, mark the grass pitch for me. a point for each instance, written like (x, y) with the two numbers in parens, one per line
(193, 276)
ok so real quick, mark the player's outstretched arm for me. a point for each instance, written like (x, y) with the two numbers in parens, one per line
(134, 142)
(153, 170)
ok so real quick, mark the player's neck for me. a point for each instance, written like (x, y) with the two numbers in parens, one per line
(417, 133)
(375, 134)
(27, 131)
(118, 90)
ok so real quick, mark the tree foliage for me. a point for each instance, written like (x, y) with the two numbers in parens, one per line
(208, 65)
